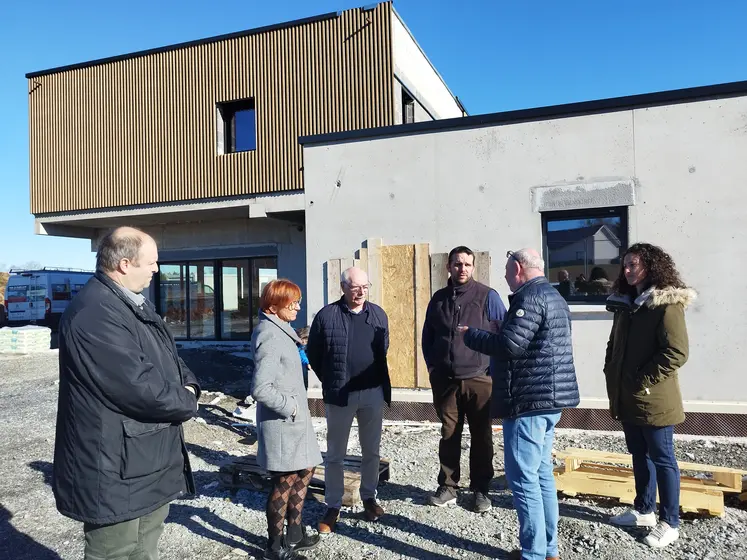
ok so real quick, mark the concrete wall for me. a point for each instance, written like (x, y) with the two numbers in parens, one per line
(413, 69)
(474, 187)
(204, 238)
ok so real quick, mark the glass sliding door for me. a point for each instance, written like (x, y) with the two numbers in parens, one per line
(202, 300)
(236, 321)
(173, 298)
(263, 270)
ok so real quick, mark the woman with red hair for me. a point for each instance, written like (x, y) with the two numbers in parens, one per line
(287, 445)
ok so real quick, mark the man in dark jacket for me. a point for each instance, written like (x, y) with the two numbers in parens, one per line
(347, 349)
(534, 378)
(120, 457)
(459, 377)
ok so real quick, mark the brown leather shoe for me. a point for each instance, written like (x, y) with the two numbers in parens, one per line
(328, 522)
(372, 510)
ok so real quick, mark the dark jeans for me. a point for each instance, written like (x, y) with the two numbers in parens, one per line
(454, 401)
(654, 463)
(136, 539)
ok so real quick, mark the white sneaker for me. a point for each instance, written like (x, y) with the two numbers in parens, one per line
(631, 518)
(662, 535)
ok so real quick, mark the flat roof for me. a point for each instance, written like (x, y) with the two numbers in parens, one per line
(670, 97)
(177, 46)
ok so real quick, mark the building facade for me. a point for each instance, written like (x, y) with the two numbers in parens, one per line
(197, 144)
(582, 182)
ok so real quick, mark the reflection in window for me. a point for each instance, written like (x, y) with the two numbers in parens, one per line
(583, 251)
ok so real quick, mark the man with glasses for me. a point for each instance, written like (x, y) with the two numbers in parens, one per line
(460, 378)
(347, 350)
(534, 378)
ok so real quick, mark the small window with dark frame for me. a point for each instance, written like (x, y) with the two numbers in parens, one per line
(583, 250)
(408, 108)
(237, 127)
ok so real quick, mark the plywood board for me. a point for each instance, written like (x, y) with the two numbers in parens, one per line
(422, 277)
(333, 280)
(399, 303)
(439, 274)
(482, 267)
(375, 272)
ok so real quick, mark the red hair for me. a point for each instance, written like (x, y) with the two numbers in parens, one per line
(279, 293)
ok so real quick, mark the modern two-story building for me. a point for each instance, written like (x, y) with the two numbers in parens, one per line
(197, 143)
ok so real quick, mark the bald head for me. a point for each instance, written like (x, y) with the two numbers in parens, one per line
(354, 283)
(523, 265)
(129, 256)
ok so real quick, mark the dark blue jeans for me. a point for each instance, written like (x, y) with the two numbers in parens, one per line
(654, 463)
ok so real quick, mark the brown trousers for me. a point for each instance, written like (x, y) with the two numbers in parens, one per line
(454, 401)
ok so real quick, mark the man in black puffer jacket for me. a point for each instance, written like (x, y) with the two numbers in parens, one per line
(120, 456)
(534, 378)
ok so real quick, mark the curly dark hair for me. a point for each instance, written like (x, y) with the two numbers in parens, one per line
(660, 269)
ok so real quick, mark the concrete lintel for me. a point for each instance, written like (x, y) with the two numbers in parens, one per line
(280, 202)
(584, 194)
(59, 230)
(257, 211)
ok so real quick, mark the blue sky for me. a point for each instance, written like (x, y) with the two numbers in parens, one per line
(495, 55)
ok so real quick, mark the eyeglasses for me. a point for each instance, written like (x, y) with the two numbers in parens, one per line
(294, 304)
(510, 255)
(363, 288)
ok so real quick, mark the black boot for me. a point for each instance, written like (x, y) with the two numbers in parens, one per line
(296, 538)
(276, 550)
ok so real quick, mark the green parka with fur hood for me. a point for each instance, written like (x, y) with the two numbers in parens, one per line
(647, 346)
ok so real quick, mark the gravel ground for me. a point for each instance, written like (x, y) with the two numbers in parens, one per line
(220, 525)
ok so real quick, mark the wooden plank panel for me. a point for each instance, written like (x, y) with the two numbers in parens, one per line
(399, 304)
(482, 267)
(422, 278)
(362, 258)
(143, 129)
(439, 274)
(375, 271)
(345, 264)
(333, 280)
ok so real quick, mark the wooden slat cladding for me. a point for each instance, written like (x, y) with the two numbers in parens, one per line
(143, 130)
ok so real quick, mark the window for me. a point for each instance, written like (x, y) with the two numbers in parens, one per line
(408, 108)
(217, 299)
(583, 250)
(237, 130)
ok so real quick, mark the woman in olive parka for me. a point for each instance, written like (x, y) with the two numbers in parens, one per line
(647, 346)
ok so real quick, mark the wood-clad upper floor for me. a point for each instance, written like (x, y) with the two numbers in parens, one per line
(209, 119)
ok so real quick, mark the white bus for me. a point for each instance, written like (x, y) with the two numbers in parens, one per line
(39, 297)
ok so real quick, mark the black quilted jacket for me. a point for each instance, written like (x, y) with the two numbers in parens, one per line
(327, 350)
(532, 365)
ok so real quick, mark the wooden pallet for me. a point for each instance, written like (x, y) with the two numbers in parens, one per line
(586, 471)
(244, 472)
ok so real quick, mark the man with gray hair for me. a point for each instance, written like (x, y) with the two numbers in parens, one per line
(347, 349)
(120, 456)
(534, 378)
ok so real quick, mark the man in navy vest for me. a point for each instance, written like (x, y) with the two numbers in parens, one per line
(459, 377)
(534, 378)
(347, 349)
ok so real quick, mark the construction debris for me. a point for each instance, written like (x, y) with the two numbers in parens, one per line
(244, 472)
(591, 472)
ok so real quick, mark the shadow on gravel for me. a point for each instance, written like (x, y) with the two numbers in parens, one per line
(419, 497)
(203, 522)
(44, 467)
(19, 546)
(215, 415)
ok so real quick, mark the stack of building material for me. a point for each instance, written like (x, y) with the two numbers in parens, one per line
(25, 340)
(592, 472)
